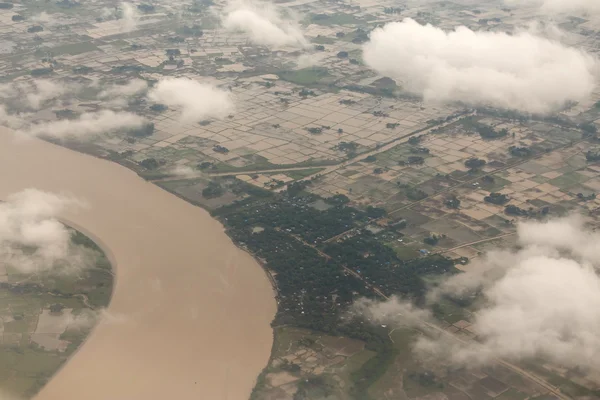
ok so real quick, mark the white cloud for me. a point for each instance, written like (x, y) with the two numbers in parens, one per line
(46, 90)
(131, 88)
(35, 94)
(392, 311)
(33, 240)
(310, 60)
(522, 71)
(130, 17)
(88, 124)
(196, 100)
(264, 24)
(542, 301)
(539, 302)
(13, 121)
(184, 171)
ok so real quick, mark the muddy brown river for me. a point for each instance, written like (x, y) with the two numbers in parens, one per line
(190, 313)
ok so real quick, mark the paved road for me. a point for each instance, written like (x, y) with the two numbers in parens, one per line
(381, 149)
(475, 242)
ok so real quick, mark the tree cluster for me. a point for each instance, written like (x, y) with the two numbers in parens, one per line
(496, 198)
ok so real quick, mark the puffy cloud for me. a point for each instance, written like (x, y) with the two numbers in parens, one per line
(541, 301)
(523, 72)
(184, 171)
(310, 60)
(394, 311)
(35, 94)
(130, 17)
(46, 90)
(32, 239)
(196, 100)
(131, 88)
(13, 121)
(88, 124)
(38, 94)
(264, 24)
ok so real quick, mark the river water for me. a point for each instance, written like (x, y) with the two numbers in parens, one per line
(190, 313)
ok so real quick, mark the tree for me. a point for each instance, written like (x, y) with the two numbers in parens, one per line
(370, 159)
(516, 151)
(496, 198)
(514, 210)
(487, 132)
(144, 131)
(56, 308)
(146, 8)
(415, 140)
(588, 127)
(214, 189)
(416, 160)
(474, 163)
(342, 54)
(194, 30)
(150, 163)
(415, 194)
(158, 107)
(338, 199)
(41, 71)
(320, 47)
(432, 240)
(375, 212)
(452, 202)
(205, 165)
(592, 156)
(35, 29)
(17, 18)
(220, 149)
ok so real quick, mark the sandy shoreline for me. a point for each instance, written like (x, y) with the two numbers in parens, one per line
(190, 314)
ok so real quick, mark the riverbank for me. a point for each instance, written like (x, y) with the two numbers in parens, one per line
(191, 313)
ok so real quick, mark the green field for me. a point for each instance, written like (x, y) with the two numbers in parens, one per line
(36, 313)
(305, 76)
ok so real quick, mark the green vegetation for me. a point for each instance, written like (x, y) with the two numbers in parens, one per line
(27, 359)
(303, 173)
(333, 19)
(496, 198)
(474, 163)
(306, 76)
(74, 48)
(144, 131)
(214, 189)
(41, 71)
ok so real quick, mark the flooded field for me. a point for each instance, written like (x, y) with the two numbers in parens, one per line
(190, 312)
